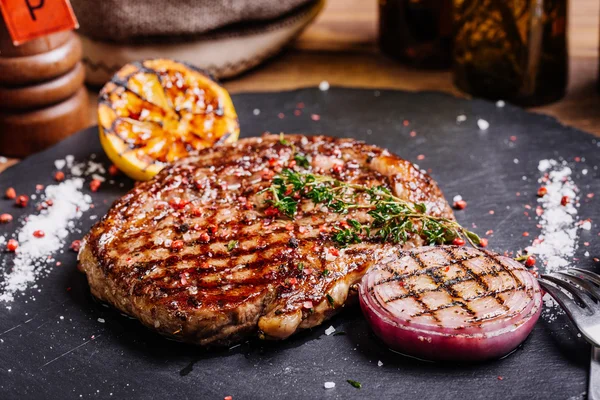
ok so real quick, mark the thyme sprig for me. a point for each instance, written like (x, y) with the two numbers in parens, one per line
(393, 219)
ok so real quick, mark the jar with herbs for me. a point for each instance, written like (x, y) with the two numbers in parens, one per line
(514, 50)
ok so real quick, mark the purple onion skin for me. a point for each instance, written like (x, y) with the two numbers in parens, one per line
(436, 346)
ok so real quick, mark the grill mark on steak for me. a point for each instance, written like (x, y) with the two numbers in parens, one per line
(199, 292)
(310, 224)
(240, 236)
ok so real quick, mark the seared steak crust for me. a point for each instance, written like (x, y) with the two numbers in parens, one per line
(193, 254)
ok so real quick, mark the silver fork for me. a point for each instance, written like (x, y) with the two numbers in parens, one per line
(584, 286)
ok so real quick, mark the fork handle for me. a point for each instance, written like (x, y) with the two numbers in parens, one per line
(594, 383)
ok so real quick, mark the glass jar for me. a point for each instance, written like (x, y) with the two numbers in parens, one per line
(515, 50)
(417, 32)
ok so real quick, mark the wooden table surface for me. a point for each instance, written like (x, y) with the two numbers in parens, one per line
(341, 48)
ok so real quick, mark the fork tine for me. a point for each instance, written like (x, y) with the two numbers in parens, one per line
(592, 276)
(569, 305)
(590, 288)
(572, 288)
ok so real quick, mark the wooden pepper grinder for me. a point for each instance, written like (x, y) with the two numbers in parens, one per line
(42, 96)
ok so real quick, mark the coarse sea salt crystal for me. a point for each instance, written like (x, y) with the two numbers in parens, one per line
(587, 225)
(60, 164)
(483, 124)
(456, 198)
(500, 103)
(559, 229)
(80, 169)
(329, 330)
(329, 385)
(77, 170)
(324, 86)
(98, 177)
(31, 258)
(544, 165)
(551, 309)
(461, 118)
(379, 364)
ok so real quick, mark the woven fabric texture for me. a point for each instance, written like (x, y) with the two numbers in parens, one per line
(128, 20)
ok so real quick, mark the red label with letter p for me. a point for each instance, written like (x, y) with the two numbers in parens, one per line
(29, 19)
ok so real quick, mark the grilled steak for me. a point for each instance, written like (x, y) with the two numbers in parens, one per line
(193, 254)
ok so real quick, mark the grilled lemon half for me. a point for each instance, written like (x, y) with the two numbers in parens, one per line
(154, 112)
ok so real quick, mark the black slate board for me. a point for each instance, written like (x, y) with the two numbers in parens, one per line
(45, 356)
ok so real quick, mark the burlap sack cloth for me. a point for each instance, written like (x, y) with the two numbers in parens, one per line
(132, 20)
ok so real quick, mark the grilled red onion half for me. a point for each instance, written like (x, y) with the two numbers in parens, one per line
(450, 303)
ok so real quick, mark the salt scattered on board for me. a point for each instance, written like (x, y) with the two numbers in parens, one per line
(586, 225)
(60, 164)
(482, 124)
(551, 310)
(34, 257)
(557, 242)
(329, 330)
(31, 258)
(329, 385)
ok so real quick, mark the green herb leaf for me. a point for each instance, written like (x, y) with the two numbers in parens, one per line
(350, 235)
(286, 205)
(473, 237)
(330, 300)
(344, 237)
(356, 384)
(521, 257)
(325, 272)
(283, 140)
(301, 160)
(393, 219)
(232, 245)
(300, 266)
(354, 224)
